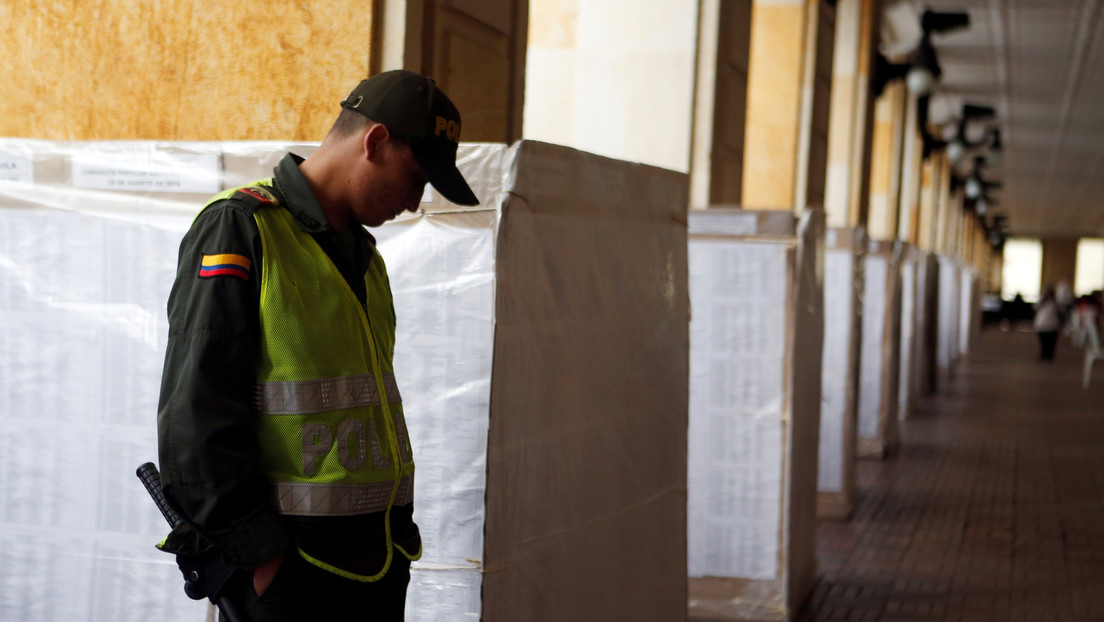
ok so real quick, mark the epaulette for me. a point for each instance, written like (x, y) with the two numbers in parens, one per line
(256, 196)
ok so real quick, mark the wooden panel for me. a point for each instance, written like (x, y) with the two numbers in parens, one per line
(472, 62)
(179, 69)
(822, 98)
(730, 103)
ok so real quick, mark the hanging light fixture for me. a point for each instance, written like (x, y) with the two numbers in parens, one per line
(921, 69)
(958, 143)
(973, 188)
(956, 151)
(924, 69)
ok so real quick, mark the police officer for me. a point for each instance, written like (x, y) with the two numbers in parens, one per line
(280, 425)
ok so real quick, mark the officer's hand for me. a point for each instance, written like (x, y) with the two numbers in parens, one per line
(263, 574)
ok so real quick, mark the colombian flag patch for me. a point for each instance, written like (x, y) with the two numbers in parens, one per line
(225, 264)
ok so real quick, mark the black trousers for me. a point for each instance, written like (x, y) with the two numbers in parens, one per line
(1048, 341)
(302, 591)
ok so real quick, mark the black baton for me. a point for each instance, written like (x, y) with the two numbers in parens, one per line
(204, 576)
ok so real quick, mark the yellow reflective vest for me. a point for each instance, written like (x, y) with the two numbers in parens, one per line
(331, 431)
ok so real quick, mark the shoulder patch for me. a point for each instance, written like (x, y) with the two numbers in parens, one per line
(225, 264)
(260, 193)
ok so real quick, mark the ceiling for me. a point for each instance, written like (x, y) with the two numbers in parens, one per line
(1040, 64)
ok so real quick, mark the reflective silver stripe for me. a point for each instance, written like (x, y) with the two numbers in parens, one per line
(307, 499)
(312, 396)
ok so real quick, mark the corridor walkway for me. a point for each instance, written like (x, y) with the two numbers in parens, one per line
(993, 510)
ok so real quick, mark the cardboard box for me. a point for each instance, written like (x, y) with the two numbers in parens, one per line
(907, 386)
(542, 355)
(950, 293)
(545, 337)
(756, 348)
(878, 434)
(969, 310)
(843, 286)
(85, 279)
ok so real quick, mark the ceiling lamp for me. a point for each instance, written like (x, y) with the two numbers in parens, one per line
(959, 144)
(973, 188)
(921, 69)
(920, 80)
(976, 187)
(956, 151)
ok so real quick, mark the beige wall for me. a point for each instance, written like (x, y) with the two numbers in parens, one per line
(613, 77)
(179, 70)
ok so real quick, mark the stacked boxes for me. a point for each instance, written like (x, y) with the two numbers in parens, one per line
(906, 392)
(949, 322)
(845, 250)
(881, 345)
(542, 356)
(756, 336)
(90, 234)
(545, 336)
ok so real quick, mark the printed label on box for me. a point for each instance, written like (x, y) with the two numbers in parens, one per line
(157, 172)
(16, 168)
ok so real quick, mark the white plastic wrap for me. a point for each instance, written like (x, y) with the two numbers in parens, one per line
(756, 338)
(845, 250)
(906, 385)
(969, 310)
(442, 275)
(88, 254)
(927, 328)
(880, 361)
(592, 250)
(874, 318)
(950, 291)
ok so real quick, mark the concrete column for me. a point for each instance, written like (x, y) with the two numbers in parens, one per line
(911, 176)
(969, 241)
(789, 78)
(925, 216)
(852, 115)
(888, 175)
(947, 216)
(958, 227)
(613, 77)
(720, 102)
(942, 191)
(397, 35)
(996, 267)
(1059, 261)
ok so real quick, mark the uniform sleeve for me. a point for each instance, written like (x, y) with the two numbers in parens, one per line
(207, 448)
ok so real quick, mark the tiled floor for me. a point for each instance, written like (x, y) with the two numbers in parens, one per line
(993, 510)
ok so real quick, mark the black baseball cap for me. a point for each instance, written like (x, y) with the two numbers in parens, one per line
(418, 113)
